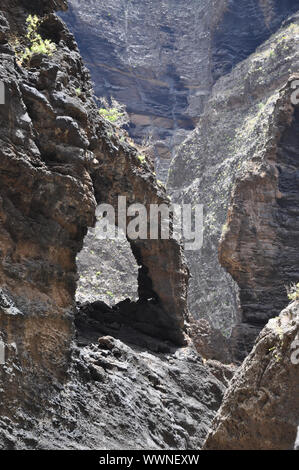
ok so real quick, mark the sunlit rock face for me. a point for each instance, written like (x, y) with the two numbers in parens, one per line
(241, 164)
(107, 268)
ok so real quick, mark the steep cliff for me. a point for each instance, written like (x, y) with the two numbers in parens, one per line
(107, 375)
(162, 58)
(62, 386)
(241, 164)
(152, 56)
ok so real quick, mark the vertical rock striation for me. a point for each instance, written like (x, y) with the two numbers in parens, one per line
(152, 56)
(162, 58)
(240, 163)
(260, 410)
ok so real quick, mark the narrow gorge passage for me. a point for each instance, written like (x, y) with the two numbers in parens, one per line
(154, 345)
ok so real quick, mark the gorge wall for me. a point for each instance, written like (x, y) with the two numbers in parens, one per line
(165, 62)
(161, 58)
(127, 375)
(241, 164)
(260, 409)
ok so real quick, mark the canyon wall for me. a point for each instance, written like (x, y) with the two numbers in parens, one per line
(127, 376)
(152, 56)
(241, 164)
(165, 61)
(162, 58)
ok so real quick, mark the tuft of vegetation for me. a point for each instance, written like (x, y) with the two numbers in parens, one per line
(141, 158)
(293, 292)
(114, 112)
(37, 45)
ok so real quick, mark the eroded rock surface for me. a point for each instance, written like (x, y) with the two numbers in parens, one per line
(58, 160)
(125, 391)
(260, 410)
(241, 164)
(162, 61)
(162, 58)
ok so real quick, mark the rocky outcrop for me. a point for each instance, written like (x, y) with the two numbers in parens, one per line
(141, 55)
(100, 376)
(125, 391)
(264, 259)
(162, 58)
(241, 164)
(260, 410)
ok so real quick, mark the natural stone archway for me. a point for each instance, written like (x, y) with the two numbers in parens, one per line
(163, 274)
(58, 159)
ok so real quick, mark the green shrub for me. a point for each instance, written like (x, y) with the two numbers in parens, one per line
(114, 112)
(293, 292)
(37, 45)
(141, 158)
(111, 114)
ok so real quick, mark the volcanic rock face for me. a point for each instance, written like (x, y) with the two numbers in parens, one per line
(127, 376)
(260, 408)
(241, 164)
(125, 391)
(161, 58)
(58, 160)
(243, 26)
(153, 57)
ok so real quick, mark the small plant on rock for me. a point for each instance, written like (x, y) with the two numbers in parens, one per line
(115, 113)
(141, 158)
(293, 292)
(37, 45)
